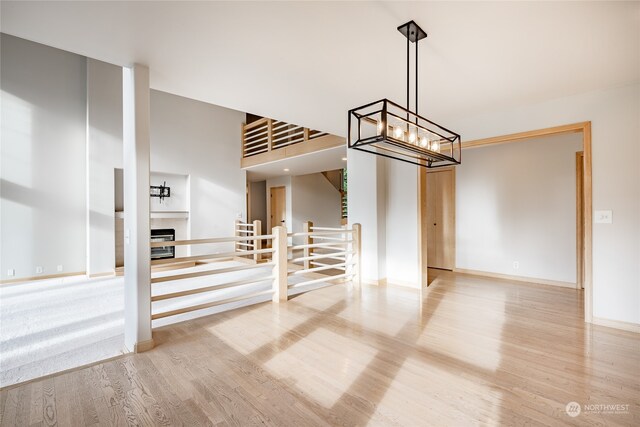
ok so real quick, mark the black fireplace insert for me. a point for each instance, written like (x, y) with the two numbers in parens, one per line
(163, 235)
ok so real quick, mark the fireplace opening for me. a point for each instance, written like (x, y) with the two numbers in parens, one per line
(163, 235)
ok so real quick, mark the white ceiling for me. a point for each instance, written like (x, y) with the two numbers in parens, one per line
(309, 62)
(320, 161)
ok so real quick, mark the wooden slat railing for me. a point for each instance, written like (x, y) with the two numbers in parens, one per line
(180, 275)
(338, 250)
(345, 249)
(253, 248)
(265, 135)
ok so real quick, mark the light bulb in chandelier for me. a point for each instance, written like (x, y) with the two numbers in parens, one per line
(435, 146)
(397, 132)
(379, 127)
(412, 137)
(424, 142)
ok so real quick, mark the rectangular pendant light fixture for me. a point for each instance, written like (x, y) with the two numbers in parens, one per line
(390, 130)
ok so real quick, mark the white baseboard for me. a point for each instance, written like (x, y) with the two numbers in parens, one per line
(41, 277)
(617, 324)
(516, 278)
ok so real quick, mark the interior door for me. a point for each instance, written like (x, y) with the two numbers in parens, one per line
(441, 219)
(278, 206)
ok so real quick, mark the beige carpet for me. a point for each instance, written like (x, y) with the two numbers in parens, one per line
(49, 326)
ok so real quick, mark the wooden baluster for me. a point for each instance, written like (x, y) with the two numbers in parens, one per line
(257, 243)
(280, 276)
(356, 247)
(269, 135)
(308, 240)
(237, 234)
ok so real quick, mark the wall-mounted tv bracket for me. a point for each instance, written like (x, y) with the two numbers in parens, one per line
(160, 191)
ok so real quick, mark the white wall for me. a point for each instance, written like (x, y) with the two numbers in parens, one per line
(314, 199)
(281, 181)
(517, 202)
(402, 224)
(43, 133)
(203, 141)
(62, 141)
(615, 117)
(104, 153)
(179, 197)
(258, 203)
(367, 206)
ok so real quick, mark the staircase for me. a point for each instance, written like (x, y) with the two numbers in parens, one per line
(338, 178)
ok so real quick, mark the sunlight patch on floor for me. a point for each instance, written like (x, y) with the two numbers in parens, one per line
(430, 395)
(322, 365)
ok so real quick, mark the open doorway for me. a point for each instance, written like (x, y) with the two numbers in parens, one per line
(583, 204)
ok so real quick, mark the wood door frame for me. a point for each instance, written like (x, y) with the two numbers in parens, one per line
(587, 232)
(453, 249)
(580, 209)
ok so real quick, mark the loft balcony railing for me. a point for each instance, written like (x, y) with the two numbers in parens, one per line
(266, 134)
(266, 140)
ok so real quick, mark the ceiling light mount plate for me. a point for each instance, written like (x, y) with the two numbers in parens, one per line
(412, 31)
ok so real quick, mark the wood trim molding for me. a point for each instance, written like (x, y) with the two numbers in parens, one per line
(526, 279)
(44, 277)
(317, 144)
(579, 219)
(519, 136)
(143, 346)
(617, 324)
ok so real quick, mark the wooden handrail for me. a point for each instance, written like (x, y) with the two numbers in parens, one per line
(206, 273)
(208, 305)
(322, 279)
(208, 256)
(320, 233)
(207, 241)
(321, 245)
(258, 122)
(209, 289)
(321, 268)
(334, 255)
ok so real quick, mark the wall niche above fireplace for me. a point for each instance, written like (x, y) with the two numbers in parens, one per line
(172, 213)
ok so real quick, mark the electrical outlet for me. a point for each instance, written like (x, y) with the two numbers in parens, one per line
(39, 269)
(11, 272)
(59, 268)
(516, 265)
(603, 217)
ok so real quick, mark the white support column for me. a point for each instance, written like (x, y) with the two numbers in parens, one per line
(137, 256)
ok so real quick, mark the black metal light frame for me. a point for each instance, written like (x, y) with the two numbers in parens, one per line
(387, 129)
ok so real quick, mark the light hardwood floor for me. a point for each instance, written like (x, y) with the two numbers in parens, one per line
(473, 351)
